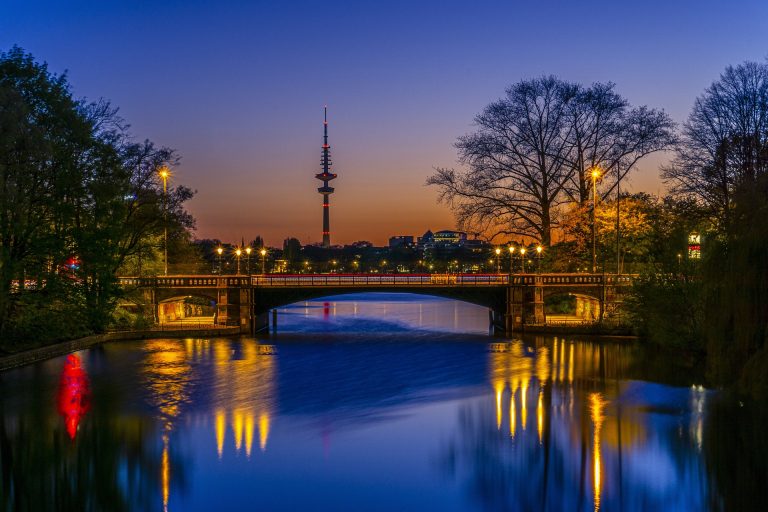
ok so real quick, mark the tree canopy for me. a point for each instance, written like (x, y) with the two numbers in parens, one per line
(78, 199)
(533, 150)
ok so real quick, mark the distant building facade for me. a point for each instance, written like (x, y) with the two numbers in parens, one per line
(400, 241)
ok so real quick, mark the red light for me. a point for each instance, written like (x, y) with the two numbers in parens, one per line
(74, 398)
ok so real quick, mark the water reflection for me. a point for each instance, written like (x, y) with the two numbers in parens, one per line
(244, 390)
(599, 441)
(74, 398)
(406, 420)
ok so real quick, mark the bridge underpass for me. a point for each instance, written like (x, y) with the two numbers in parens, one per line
(514, 301)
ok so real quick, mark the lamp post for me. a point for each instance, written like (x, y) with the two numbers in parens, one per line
(248, 260)
(263, 253)
(539, 248)
(511, 259)
(498, 267)
(595, 175)
(164, 175)
(238, 252)
(219, 251)
(522, 258)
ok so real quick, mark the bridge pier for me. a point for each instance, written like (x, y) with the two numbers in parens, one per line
(525, 302)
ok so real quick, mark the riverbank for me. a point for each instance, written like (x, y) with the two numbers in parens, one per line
(66, 347)
(586, 329)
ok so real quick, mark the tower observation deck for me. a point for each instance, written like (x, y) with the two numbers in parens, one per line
(326, 176)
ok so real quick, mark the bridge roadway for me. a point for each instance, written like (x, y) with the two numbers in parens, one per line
(513, 300)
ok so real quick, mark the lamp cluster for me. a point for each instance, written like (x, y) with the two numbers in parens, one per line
(238, 252)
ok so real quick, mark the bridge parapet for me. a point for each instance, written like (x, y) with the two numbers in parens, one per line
(374, 280)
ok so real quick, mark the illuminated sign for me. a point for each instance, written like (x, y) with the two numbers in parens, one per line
(694, 246)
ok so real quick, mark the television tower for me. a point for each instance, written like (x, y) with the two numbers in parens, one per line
(325, 177)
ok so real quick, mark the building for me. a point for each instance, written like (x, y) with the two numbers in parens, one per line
(450, 238)
(326, 176)
(400, 241)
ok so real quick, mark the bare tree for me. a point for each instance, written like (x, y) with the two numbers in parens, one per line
(725, 140)
(517, 163)
(534, 149)
(605, 132)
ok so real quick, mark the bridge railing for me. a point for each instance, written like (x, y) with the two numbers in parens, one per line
(373, 280)
(353, 280)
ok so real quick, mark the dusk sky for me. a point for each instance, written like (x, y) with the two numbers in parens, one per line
(238, 88)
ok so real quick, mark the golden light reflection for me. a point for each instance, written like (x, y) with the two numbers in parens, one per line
(499, 386)
(237, 427)
(244, 384)
(165, 477)
(523, 404)
(512, 416)
(542, 365)
(263, 430)
(221, 430)
(249, 427)
(166, 371)
(514, 367)
(570, 364)
(561, 377)
(540, 415)
(596, 405)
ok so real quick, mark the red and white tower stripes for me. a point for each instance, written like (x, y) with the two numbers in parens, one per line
(325, 176)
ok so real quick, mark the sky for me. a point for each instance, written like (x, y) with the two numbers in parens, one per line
(238, 89)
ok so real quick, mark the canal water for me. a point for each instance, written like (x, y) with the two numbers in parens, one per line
(375, 402)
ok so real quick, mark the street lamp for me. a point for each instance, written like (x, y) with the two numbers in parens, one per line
(164, 175)
(595, 175)
(248, 259)
(539, 248)
(498, 265)
(238, 252)
(263, 253)
(333, 262)
(522, 258)
(511, 253)
(219, 251)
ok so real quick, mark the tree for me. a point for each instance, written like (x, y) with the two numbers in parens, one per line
(606, 133)
(534, 150)
(74, 188)
(725, 140)
(517, 165)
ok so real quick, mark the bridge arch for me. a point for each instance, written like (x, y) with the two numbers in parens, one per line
(381, 311)
(267, 299)
(583, 306)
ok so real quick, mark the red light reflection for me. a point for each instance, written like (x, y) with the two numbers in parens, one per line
(74, 398)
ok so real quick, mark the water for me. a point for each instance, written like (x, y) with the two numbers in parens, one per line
(374, 402)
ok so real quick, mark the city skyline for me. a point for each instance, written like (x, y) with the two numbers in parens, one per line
(237, 90)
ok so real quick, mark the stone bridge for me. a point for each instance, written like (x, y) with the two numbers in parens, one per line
(514, 301)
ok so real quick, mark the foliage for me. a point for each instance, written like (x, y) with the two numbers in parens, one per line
(722, 164)
(78, 199)
(736, 273)
(666, 310)
(653, 233)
